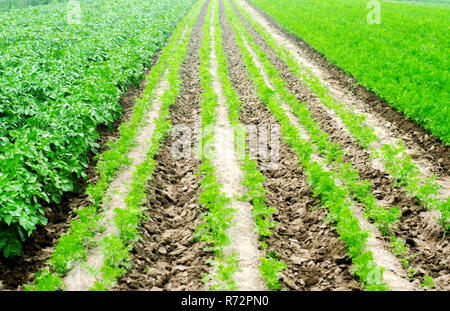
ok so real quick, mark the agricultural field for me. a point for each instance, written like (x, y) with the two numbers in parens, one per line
(224, 145)
(403, 59)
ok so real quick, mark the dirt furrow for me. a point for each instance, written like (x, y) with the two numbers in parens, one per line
(244, 239)
(423, 235)
(315, 258)
(167, 258)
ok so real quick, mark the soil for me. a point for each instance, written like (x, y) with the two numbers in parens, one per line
(315, 258)
(167, 258)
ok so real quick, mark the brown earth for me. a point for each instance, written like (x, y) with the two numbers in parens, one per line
(315, 258)
(423, 239)
(414, 136)
(168, 258)
(38, 248)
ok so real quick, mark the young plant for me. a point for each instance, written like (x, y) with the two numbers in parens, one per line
(45, 281)
(270, 269)
(428, 282)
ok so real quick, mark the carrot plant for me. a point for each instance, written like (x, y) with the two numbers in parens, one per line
(428, 282)
(404, 172)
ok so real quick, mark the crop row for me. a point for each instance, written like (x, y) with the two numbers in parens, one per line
(219, 215)
(333, 196)
(360, 190)
(252, 179)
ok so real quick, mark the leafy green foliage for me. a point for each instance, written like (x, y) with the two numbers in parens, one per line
(73, 247)
(252, 179)
(270, 269)
(369, 272)
(400, 250)
(397, 161)
(219, 215)
(45, 281)
(354, 122)
(405, 173)
(223, 279)
(444, 209)
(402, 59)
(117, 248)
(15, 4)
(60, 82)
(428, 282)
(359, 189)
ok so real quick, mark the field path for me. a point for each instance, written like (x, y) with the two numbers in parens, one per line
(244, 238)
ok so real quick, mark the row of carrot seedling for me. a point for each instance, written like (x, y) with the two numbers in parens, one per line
(116, 248)
(219, 215)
